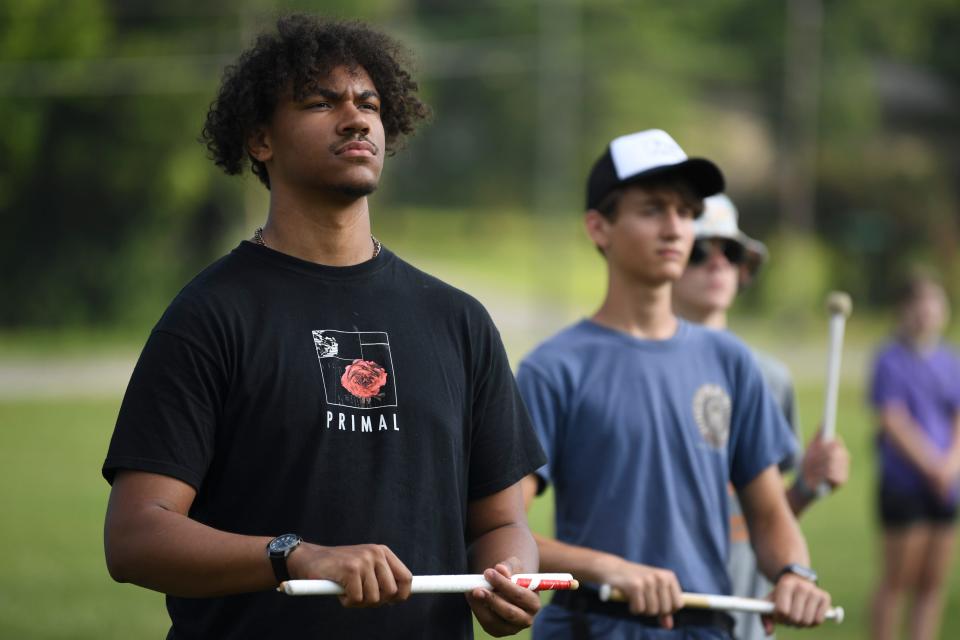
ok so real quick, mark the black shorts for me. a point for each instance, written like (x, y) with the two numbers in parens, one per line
(900, 509)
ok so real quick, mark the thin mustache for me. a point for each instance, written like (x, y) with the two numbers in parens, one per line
(360, 138)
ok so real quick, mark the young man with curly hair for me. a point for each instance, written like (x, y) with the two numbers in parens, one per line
(311, 406)
(646, 418)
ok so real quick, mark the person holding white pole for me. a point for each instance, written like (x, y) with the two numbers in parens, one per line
(311, 406)
(724, 259)
(645, 419)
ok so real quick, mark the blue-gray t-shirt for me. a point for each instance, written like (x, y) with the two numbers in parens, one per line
(642, 437)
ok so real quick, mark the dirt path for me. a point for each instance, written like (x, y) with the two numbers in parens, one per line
(71, 376)
(522, 323)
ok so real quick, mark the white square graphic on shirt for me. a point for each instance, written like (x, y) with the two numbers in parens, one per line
(357, 368)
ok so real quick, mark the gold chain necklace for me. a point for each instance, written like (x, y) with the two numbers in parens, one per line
(258, 239)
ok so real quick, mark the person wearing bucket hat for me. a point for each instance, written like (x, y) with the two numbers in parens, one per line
(723, 260)
(646, 417)
(719, 223)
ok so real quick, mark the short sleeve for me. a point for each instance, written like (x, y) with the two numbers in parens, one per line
(954, 393)
(504, 447)
(791, 413)
(886, 387)
(167, 421)
(790, 409)
(545, 407)
(760, 434)
(780, 383)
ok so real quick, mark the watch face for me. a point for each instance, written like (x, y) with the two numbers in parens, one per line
(284, 543)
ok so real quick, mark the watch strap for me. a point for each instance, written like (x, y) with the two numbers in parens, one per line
(278, 556)
(798, 570)
(279, 564)
(806, 491)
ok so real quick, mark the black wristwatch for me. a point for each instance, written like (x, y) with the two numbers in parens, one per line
(278, 549)
(798, 570)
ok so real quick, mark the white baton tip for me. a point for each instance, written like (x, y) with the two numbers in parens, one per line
(839, 303)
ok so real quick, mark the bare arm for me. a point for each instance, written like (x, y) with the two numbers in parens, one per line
(778, 542)
(501, 545)
(822, 462)
(497, 527)
(774, 532)
(649, 590)
(953, 454)
(555, 556)
(949, 474)
(150, 540)
(897, 423)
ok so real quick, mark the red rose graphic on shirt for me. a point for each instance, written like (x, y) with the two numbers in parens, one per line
(364, 378)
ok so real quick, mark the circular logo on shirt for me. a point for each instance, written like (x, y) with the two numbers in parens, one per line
(711, 410)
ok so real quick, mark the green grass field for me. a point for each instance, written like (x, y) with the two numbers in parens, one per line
(840, 531)
(55, 585)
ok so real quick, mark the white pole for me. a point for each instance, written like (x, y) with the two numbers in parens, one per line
(839, 307)
(747, 605)
(718, 603)
(439, 584)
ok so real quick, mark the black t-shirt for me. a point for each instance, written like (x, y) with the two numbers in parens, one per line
(351, 405)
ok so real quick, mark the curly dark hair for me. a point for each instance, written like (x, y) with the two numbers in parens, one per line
(303, 49)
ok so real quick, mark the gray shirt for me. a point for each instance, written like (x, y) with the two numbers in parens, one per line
(742, 563)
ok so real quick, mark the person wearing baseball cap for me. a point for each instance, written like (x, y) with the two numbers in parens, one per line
(646, 155)
(724, 259)
(645, 419)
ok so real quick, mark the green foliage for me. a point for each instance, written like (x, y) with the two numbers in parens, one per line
(109, 204)
(56, 584)
(100, 182)
(794, 284)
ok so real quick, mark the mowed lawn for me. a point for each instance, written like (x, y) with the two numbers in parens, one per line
(54, 583)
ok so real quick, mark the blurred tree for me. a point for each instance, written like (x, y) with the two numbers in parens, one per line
(106, 203)
(890, 154)
(109, 204)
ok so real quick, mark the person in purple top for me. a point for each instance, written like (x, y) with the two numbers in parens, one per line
(916, 393)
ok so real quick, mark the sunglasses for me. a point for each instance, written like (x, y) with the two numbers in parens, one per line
(732, 250)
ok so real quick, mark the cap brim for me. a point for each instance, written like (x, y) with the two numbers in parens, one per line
(704, 176)
(754, 247)
(757, 254)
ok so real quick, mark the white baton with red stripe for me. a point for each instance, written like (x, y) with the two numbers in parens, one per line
(440, 584)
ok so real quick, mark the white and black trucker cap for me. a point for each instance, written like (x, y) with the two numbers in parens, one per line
(644, 154)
